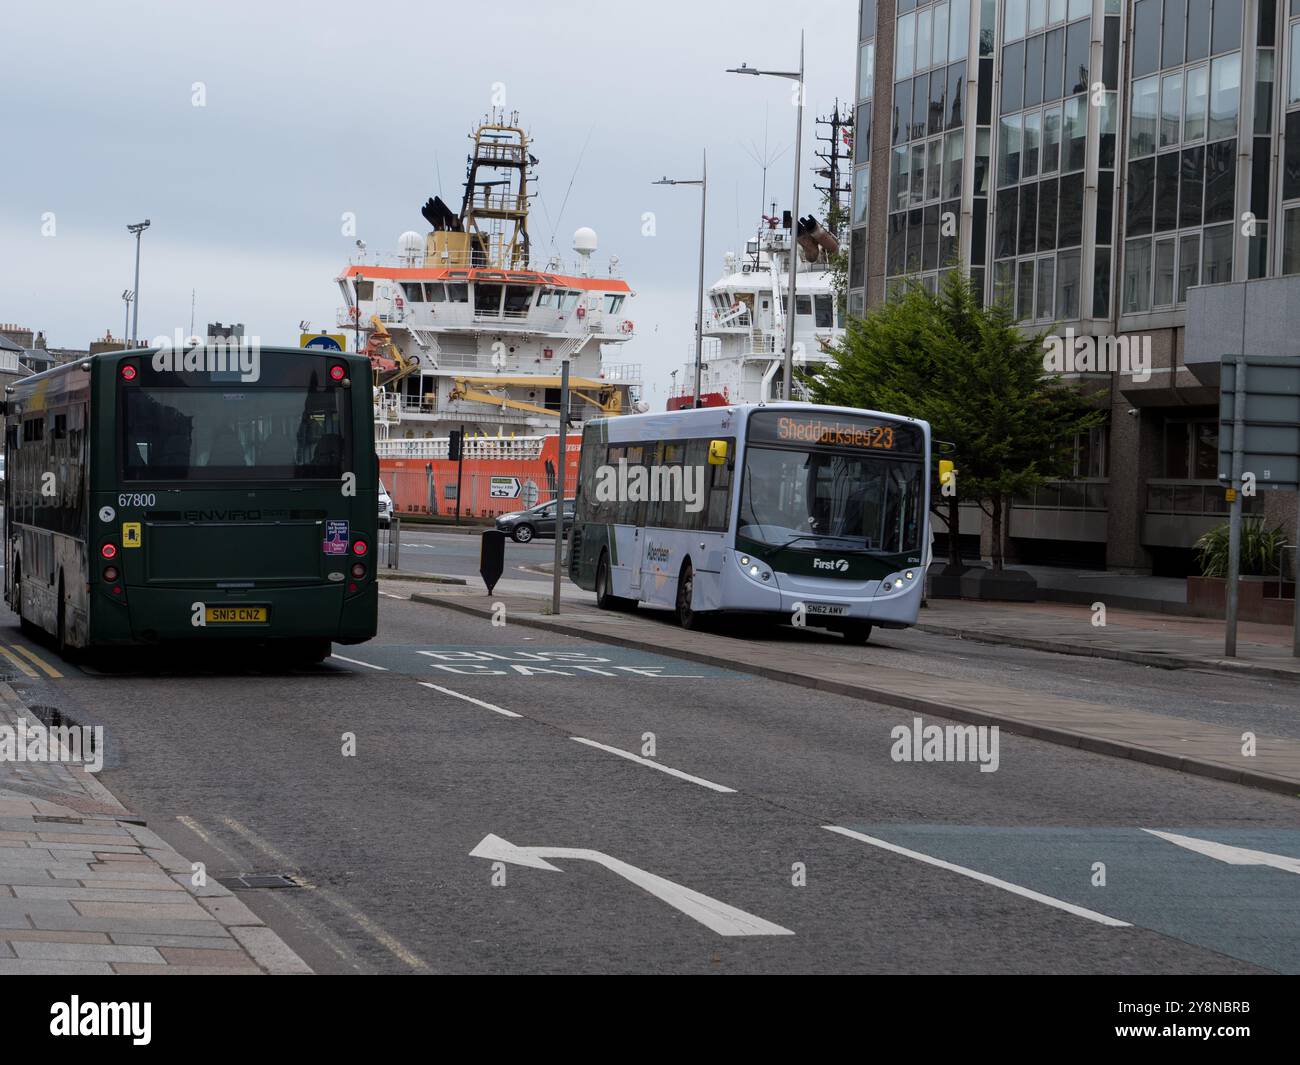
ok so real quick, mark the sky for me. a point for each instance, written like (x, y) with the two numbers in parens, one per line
(310, 111)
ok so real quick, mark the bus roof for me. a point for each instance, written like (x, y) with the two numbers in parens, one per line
(717, 418)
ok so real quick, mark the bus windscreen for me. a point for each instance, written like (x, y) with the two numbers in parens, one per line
(233, 434)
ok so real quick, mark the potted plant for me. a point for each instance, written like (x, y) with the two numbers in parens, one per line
(1260, 553)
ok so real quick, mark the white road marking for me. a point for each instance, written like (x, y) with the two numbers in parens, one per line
(983, 878)
(470, 699)
(655, 765)
(718, 916)
(378, 934)
(390, 595)
(358, 662)
(1232, 855)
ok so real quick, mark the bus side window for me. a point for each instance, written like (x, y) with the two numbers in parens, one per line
(717, 510)
(617, 510)
(672, 510)
(637, 512)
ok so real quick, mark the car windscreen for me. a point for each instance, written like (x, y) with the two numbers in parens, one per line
(234, 433)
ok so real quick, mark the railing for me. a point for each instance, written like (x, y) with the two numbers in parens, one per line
(474, 447)
(475, 260)
(622, 373)
(1194, 497)
(1067, 495)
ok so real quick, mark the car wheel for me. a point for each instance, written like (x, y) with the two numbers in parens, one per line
(687, 616)
(856, 632)
(522, 534)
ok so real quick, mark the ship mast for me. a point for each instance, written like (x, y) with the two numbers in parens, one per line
(494, 212)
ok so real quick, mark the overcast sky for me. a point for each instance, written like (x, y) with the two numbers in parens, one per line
(318, 108)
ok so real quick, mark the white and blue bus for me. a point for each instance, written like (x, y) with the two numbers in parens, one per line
(789, 510)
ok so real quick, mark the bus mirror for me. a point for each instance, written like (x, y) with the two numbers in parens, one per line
(717, 452)
(946, 471)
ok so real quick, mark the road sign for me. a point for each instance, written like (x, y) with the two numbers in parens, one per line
(503, 487)
(1271, 437)
(718, 916)
(323, 341)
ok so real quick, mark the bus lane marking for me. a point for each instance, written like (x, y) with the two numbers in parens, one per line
(358, 662)
(983, 878)
(656, 765)
(470, 699)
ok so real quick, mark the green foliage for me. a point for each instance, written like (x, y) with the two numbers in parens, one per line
(975, 377)
(1260, 549)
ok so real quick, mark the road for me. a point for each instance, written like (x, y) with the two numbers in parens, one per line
(424, 551)
(505, 811)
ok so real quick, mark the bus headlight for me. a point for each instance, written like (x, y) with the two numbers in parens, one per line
(898, 583)
(909, 574)
(753, 571)
(744, 560)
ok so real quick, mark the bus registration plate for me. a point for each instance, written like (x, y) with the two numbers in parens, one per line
(238, 615)
(834, 610)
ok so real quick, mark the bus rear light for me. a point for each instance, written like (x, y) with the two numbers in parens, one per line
(128, 371)
(352, 586)
(359, 547)
(358, 570)
(117, 589)
(338, 371)
(109, 550)
(110, 573)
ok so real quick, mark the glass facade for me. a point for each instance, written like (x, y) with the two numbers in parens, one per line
(1071, 189)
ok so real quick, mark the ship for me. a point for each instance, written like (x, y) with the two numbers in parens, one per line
(467, 332)
(743, 358)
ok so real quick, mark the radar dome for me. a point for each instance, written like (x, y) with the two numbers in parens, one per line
(410, 244)
(584, 241)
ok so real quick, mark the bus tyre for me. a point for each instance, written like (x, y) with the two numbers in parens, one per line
(61, 626)
(687, 616)
(28, 629)
(604, 600)
(856, 632)
(522, 534)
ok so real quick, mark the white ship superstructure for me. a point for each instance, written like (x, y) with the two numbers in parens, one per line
(463, 330)
(745, 319)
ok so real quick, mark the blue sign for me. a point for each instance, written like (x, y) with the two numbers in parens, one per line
(323, 343)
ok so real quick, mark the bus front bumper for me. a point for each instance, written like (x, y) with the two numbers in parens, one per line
(896, 608)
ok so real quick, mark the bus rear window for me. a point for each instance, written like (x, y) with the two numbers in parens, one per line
(218, 434)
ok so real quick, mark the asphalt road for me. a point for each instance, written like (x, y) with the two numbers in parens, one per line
(715, 853)
(457, 554)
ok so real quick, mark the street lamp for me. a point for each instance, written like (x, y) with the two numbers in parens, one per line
(127, 297)
(794, 225)
(703, 182)
(136, 228)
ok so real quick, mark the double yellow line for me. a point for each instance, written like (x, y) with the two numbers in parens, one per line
(32, 656)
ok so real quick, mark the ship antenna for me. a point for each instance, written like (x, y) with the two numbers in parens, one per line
(560, 217)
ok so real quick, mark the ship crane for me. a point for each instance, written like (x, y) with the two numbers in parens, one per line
(604, 398)
(387, 361)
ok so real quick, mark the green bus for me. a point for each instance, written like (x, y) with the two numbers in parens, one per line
(225, 494)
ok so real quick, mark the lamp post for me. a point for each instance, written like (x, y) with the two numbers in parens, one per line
(796, 76)
(127, 297)
(703, 183)
(137, 229)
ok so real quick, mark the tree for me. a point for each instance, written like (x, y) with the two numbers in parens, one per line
(977, 379)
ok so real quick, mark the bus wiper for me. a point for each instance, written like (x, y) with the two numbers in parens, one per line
(822, 536)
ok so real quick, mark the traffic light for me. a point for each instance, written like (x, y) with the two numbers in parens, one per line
(453, 445)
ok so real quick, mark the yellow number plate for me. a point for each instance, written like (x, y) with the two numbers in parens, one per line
(238, 615)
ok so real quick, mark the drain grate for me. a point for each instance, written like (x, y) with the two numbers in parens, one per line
(249, 881)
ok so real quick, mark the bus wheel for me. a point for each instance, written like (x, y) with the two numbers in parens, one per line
(604, 599)
(28, 629)
(61, 626)
(687, 616)
(856, 632)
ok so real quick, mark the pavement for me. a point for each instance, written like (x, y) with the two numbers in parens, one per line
(87, 888)
(1221, 751)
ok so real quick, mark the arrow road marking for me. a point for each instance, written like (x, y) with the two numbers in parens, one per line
(1232, 855)
(718, 916)
(983, 878)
